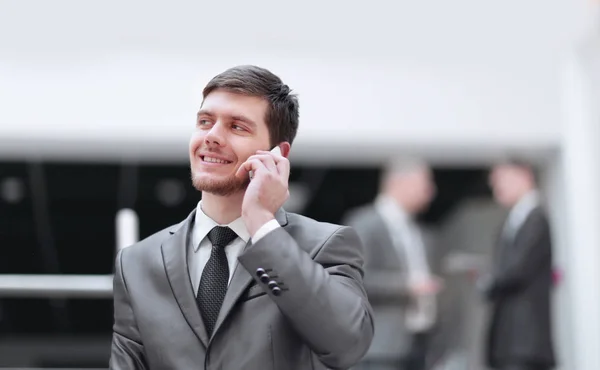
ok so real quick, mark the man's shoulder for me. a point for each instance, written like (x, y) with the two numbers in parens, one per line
(362, 211)
(298, 221)
(364, 216)
(541, 211)
(537, 218)
(310, 232)
(153, 241)
(315, 236)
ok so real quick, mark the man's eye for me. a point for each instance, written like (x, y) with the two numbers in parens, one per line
(238, 128)
(203, 122)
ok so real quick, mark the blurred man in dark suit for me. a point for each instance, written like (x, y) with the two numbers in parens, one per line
(518, 289)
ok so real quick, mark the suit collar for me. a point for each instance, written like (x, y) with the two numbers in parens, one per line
(204, 224)
(519, 214)
(526, 204)
(281, 217)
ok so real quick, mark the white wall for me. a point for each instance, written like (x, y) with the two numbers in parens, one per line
(433, 76)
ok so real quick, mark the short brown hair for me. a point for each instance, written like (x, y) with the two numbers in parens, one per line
(283, 113)
(523, 164)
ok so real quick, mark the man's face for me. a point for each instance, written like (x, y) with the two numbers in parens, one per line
(509, 184)
(230, 128)
(415, 190)
(423, 189)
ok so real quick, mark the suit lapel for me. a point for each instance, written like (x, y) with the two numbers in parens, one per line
(174, 257)
(524, 225)
(389, 252)
(241, 280)
(506, 241)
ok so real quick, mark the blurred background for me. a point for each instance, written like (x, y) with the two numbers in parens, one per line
(98, 100)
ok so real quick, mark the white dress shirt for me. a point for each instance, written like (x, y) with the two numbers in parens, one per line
(408, 243)
(200, 247)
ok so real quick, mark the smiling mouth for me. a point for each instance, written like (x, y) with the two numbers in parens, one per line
(208, 159)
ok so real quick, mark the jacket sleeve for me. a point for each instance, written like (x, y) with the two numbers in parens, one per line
(127, 351)
(324, 299)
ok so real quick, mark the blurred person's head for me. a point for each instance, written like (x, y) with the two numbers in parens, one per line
(244, 109)
(511, 180)
(410, 184)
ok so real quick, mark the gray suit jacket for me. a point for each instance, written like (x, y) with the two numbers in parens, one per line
(322, 318)
(385, 282)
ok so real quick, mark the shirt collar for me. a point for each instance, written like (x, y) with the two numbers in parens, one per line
(204, 224)
(391, 208)
(527, 203)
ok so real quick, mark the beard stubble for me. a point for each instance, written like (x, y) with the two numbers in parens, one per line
(224, 187)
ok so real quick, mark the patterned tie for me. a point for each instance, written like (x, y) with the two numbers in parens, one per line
(215, 277)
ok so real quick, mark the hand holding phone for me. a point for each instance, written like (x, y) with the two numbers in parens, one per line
(268, 189)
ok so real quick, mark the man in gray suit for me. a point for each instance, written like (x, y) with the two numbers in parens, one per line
(240, 283)
(519, 288)
(398, 278)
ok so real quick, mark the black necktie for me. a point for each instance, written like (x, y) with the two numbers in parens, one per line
(215, 277)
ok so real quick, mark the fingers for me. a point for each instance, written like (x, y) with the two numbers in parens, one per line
(252, 164)
(258, 164)
(283, 166)
(267, 160)
(282, 163)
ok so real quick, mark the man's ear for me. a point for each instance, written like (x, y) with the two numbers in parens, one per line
(285, 148)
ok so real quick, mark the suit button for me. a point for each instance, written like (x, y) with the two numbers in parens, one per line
(276, 290)
(272, 284)
(260, 271)
(265, 278)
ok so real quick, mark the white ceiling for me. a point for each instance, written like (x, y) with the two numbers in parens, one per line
(472, 73)
(434, 31)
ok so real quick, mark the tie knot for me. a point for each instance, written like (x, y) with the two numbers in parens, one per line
(221, 236)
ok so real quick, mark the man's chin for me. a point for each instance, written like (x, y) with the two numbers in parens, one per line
(221, 188)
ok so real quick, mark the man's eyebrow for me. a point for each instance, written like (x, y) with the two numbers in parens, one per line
(204, 112)
(235, 117)
(245, 119)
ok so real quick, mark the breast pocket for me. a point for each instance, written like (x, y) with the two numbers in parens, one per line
(255, 291)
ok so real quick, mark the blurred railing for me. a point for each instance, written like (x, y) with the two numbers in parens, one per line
(101, 286)
(46, 368)
(72, 286)
(56, 286)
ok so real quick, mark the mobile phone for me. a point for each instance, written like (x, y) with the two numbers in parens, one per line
(275, 150)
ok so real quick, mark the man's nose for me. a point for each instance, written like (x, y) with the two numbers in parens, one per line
(215, 134)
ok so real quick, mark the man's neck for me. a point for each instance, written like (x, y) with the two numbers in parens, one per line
(222, 209)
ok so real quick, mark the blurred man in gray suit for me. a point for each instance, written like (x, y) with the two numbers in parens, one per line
(398, 278)
(520, 332)
(240, 283)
